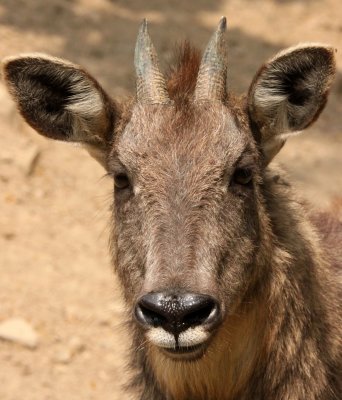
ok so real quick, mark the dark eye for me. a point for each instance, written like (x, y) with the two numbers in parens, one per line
(242, 176)
(121, 181)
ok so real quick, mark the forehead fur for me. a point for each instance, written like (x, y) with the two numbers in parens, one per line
(208, 131)
(200, 132)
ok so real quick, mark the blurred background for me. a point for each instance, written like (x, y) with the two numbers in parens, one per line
(59, 301)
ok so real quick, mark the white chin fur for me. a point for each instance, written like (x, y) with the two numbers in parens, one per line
(161, 338)
(191, 337)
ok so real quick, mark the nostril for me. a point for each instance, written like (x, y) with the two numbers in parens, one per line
(203, 314)
(197, 317)
(149, 317)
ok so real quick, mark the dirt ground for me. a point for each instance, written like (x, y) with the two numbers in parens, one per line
(54, 265)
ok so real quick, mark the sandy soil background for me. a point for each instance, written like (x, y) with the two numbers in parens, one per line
(55, 271)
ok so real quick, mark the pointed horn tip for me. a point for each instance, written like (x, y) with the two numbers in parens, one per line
(143, 25)
(222, 24)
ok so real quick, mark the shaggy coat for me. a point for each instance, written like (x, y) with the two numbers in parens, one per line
(198, 208)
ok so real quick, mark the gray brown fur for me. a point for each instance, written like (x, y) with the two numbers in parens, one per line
(184, 223)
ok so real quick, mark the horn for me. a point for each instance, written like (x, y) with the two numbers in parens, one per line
(211, 80)
(151, 87)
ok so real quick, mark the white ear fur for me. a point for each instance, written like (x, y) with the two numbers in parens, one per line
(289, 92)
(85, 100)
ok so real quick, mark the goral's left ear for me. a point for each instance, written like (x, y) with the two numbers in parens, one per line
(289, 92)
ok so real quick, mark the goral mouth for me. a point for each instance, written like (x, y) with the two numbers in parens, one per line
(186, 352)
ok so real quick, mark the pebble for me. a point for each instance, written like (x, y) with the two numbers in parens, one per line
(76, 345)
(19, 331)
(63, 356)
(70, 350)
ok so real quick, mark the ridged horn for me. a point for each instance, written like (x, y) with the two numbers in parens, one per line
(151, 87)
(211, 80)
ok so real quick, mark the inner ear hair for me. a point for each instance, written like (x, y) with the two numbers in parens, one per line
(290, 91)
(59, 99)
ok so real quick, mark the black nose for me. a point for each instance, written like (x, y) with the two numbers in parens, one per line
(177, 312)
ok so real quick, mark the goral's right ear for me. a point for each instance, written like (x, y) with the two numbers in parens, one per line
(61, 101)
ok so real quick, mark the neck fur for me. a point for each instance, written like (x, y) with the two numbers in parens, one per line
(223, 370)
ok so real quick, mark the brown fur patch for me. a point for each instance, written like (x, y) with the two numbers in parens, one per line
(330, 231)
(182, 75)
